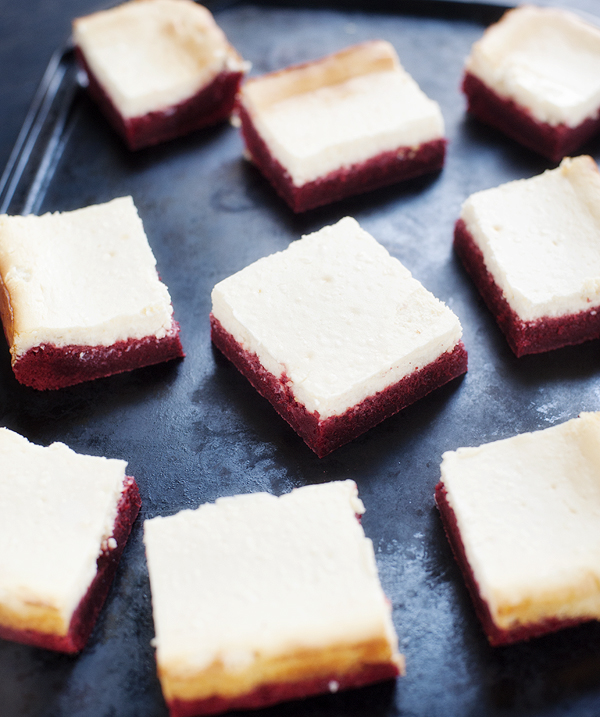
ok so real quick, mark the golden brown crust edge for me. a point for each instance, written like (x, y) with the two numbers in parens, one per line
(183, 683)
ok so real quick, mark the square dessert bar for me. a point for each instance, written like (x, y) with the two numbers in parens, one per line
(523, 518)
(80, 297)
(532, 247)
(336, 334)
(535, 76)
(258, 599)
(342, 125)
(64, 522)
(158, 69)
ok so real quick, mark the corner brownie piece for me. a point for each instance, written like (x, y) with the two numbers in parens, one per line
(532, 247)
(80, 297)
(336, 334)
(521, 515)
(258, 599)
(534, 76)
(64, 522)
(342, 125)
(158, 69)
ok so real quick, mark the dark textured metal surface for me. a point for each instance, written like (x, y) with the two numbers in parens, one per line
(196, 430)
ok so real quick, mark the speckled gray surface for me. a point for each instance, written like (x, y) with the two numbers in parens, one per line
(196, 430)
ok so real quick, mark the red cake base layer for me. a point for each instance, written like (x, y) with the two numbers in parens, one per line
(553, 142)
(496, 635)
(324, 436)
(84, 617)
(380, 171)
(210, 105)
(523, 337)
(50, 367)
(281, 692)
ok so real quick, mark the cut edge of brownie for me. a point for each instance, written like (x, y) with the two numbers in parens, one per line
(496, 636)
(324, 436)
(551, 141)
(49, 367)
(380, 171)
(211, 104)
(523, 337)
(85, 615)
(273, 693)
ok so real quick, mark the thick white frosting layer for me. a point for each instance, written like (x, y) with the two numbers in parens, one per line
(528, 512)
(338, 315)
(317, 118)
(540, 239)
(255, 577)
(546, 60)
(86, 277)
(57, 509)
(149, 55)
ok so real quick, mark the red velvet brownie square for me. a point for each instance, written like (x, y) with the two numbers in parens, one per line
(521, 515)
(535, 76)
(158, 69)
(258, 599)
(532, 247)
(80, 297)
(336, 334)
(64, 522)
(342, 125)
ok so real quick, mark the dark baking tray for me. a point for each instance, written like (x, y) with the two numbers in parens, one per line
(195, 430)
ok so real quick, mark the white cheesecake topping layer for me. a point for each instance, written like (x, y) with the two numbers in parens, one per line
(528, 512)
(341, 110)
(57, 509)
(149, 55)
(546, 60)
(336, 314)
(540, 239)
(86, 277)
(253, 577)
